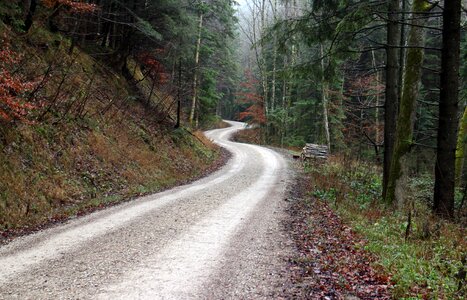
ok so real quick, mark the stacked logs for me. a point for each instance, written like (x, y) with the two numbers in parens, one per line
(314, 151)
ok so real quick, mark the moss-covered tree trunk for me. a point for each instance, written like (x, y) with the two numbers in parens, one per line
(324, 99)
(460, 147)
(448, 106)
(391, 92)
(378, 103)
(406, 118)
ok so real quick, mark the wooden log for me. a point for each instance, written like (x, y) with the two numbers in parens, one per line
(314, 151)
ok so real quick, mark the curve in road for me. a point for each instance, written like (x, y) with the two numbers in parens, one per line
(179, 244)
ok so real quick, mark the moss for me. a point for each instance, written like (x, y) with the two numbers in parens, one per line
(422, 5)
(460, 147)
(407, 106)
(134, 69)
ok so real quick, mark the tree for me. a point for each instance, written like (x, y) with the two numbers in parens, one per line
(197, 52)
(406, 118)
(214, 70)
(324, 99)
(448, 106)
(254, 30)
(254, 112)
(460, 147)
(392, 89)
(29, 7)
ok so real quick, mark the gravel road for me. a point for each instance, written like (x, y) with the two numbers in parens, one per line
(217, 238)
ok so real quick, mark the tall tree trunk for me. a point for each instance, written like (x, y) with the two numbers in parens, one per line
(29, 7)
(195, 79)
(403, 37)
(274, 61)
(107, 27)
(325, 102)
(378, 103)
(264, 72)
(285, 87)
(407, 109)
(392, 91)
(74, 36)
(448, 105)
(179, 92)
(460, 147)
(338, 138)
(284, 104)
(273, 79)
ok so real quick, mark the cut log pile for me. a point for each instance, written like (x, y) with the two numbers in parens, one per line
(314, 151)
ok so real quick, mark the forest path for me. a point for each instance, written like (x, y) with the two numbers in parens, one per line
(218, 237)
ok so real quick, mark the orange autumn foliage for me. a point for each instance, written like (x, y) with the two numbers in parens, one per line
(254, 113)
(14, 104)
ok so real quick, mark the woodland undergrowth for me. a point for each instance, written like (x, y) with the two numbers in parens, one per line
(423, 256)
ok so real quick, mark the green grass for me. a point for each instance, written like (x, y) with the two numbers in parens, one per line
(419, 267)
(426, 265)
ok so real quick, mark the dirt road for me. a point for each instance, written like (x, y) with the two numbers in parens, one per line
(218, 237)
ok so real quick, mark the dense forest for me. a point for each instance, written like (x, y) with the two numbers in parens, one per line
(97, 98)
(184, 49)
(356, 76)
(381, 83)
(377, 80)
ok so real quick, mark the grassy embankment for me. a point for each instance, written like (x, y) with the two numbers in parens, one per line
(92, 142)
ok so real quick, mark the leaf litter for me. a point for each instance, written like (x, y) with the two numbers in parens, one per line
(330, 261)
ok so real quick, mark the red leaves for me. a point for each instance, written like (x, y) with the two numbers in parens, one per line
(156, 70)
(254, 113)
(13, 87)
(365, 86)
(75, 6)
(332, 262)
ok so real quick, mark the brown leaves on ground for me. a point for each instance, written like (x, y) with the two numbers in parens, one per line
(331, 262)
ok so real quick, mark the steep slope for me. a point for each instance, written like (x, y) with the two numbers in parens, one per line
(89, 141)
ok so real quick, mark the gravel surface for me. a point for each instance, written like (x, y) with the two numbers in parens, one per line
(217, 238)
